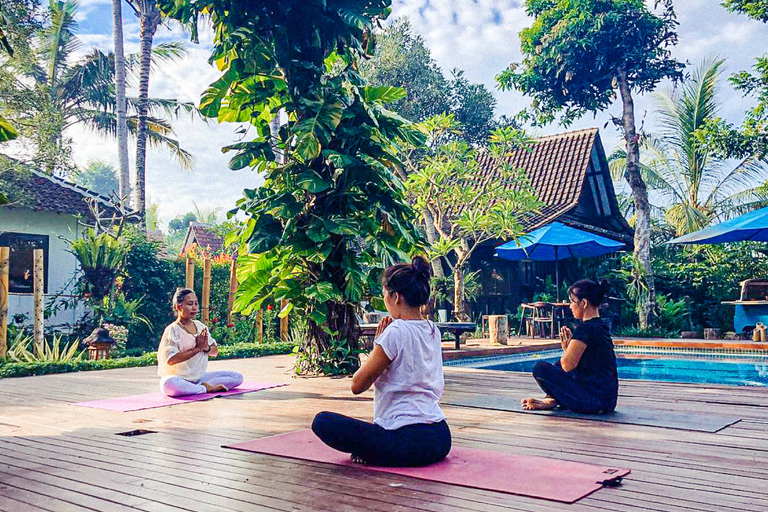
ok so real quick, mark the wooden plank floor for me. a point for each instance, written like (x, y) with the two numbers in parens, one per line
(57, 457)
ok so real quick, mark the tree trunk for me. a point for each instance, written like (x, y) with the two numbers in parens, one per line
(149, 19)
(432, 238)
(647, 293)
(122, 126)
(458, 294)
(341, 319)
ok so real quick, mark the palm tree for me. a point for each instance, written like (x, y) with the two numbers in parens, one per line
(149, 19)
(48, 95)
(696, 187)
(122, 120)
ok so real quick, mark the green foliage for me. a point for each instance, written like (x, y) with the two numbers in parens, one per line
(101, 258)
(120, 310)
(152, 280)
(331, 210)
(692, 183)
(7, 131)
(23, 350)
(672, 313)
(709, 275)
(751, 138)
(402, 59)
(12, 369)
(98, 176)
(757, 9)
(45, 89)
(574, 51)
(633, 331)
(467, 211)
(442, 288)
(337, 359)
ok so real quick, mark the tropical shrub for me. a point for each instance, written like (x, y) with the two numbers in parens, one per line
(101, 257)
(24, 350)
(24, 369)
(331, 211)
(152, 280)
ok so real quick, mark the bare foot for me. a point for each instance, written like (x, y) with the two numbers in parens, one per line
(214, 388)
(535, 403)
(357, 459)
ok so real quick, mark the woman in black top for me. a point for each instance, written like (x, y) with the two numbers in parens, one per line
(585, 379)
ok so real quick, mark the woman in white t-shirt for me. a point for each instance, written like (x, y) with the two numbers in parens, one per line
(405, 368)
(182, 358)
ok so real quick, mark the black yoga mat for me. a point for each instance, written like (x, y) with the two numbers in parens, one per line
(622, 414)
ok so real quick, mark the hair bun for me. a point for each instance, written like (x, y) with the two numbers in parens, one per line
(421, 266)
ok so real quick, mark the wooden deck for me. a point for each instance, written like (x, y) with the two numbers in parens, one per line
(61, 458)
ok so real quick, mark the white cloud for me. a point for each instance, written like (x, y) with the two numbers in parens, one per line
(211, 184)
(478, 36)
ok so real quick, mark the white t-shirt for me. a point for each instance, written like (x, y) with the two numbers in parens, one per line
(409, 390)
(176, 339)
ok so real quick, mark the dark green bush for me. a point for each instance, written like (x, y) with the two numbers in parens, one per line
(240, 350)
(155, 280)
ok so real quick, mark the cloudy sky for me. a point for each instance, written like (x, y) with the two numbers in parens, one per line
(478, 36)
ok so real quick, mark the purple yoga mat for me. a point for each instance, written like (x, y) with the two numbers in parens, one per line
(152, 400)
(538, 477)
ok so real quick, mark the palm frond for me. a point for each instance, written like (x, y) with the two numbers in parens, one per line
(159, 135)
(170, 107)
(687, 219)
(747, 174)
(58, 40)
(162, 54)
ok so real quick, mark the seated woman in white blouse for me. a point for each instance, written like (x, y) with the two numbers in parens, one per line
(182, 358)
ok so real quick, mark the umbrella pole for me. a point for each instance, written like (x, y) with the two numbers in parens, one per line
(557, 278)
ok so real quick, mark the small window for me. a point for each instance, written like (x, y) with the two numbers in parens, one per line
(22, 260)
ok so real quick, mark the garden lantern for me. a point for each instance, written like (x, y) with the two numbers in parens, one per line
(99, 344)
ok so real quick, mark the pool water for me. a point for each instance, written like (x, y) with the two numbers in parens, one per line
(739, 370)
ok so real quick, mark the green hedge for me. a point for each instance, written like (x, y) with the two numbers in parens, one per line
(236, 351)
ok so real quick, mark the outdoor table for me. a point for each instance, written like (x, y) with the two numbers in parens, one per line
(457, 328)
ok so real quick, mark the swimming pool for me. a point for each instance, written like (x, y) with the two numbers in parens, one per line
(731, 368)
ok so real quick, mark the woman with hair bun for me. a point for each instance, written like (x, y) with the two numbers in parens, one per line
(405, 369)
(182, 358)
(585, 379)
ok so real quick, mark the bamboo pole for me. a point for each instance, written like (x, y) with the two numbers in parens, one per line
(260, 326)
(232, 291)
(283, 322)
(5, 261)
(190, 283)
(39, 287)
(206, 290)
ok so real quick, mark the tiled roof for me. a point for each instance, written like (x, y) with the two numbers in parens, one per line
(204, 237)
(556, 167)
(163, 252)
(38, 191)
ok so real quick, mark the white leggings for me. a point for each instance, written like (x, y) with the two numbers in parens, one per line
(173, 385)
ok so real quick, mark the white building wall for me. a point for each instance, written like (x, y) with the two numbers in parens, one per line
(62, 264)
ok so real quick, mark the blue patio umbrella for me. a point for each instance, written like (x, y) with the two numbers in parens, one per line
(555, 242)
(750, 226)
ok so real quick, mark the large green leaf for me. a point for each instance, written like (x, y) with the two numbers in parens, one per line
(386, 94)
(7, 131)
(312, 182)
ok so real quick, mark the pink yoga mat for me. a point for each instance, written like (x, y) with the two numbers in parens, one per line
(538, 477)
(152, 400)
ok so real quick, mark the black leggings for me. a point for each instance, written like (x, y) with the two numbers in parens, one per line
(409, 446)
(568, 392)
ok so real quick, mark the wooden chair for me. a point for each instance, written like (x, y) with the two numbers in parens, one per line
(540, 314)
